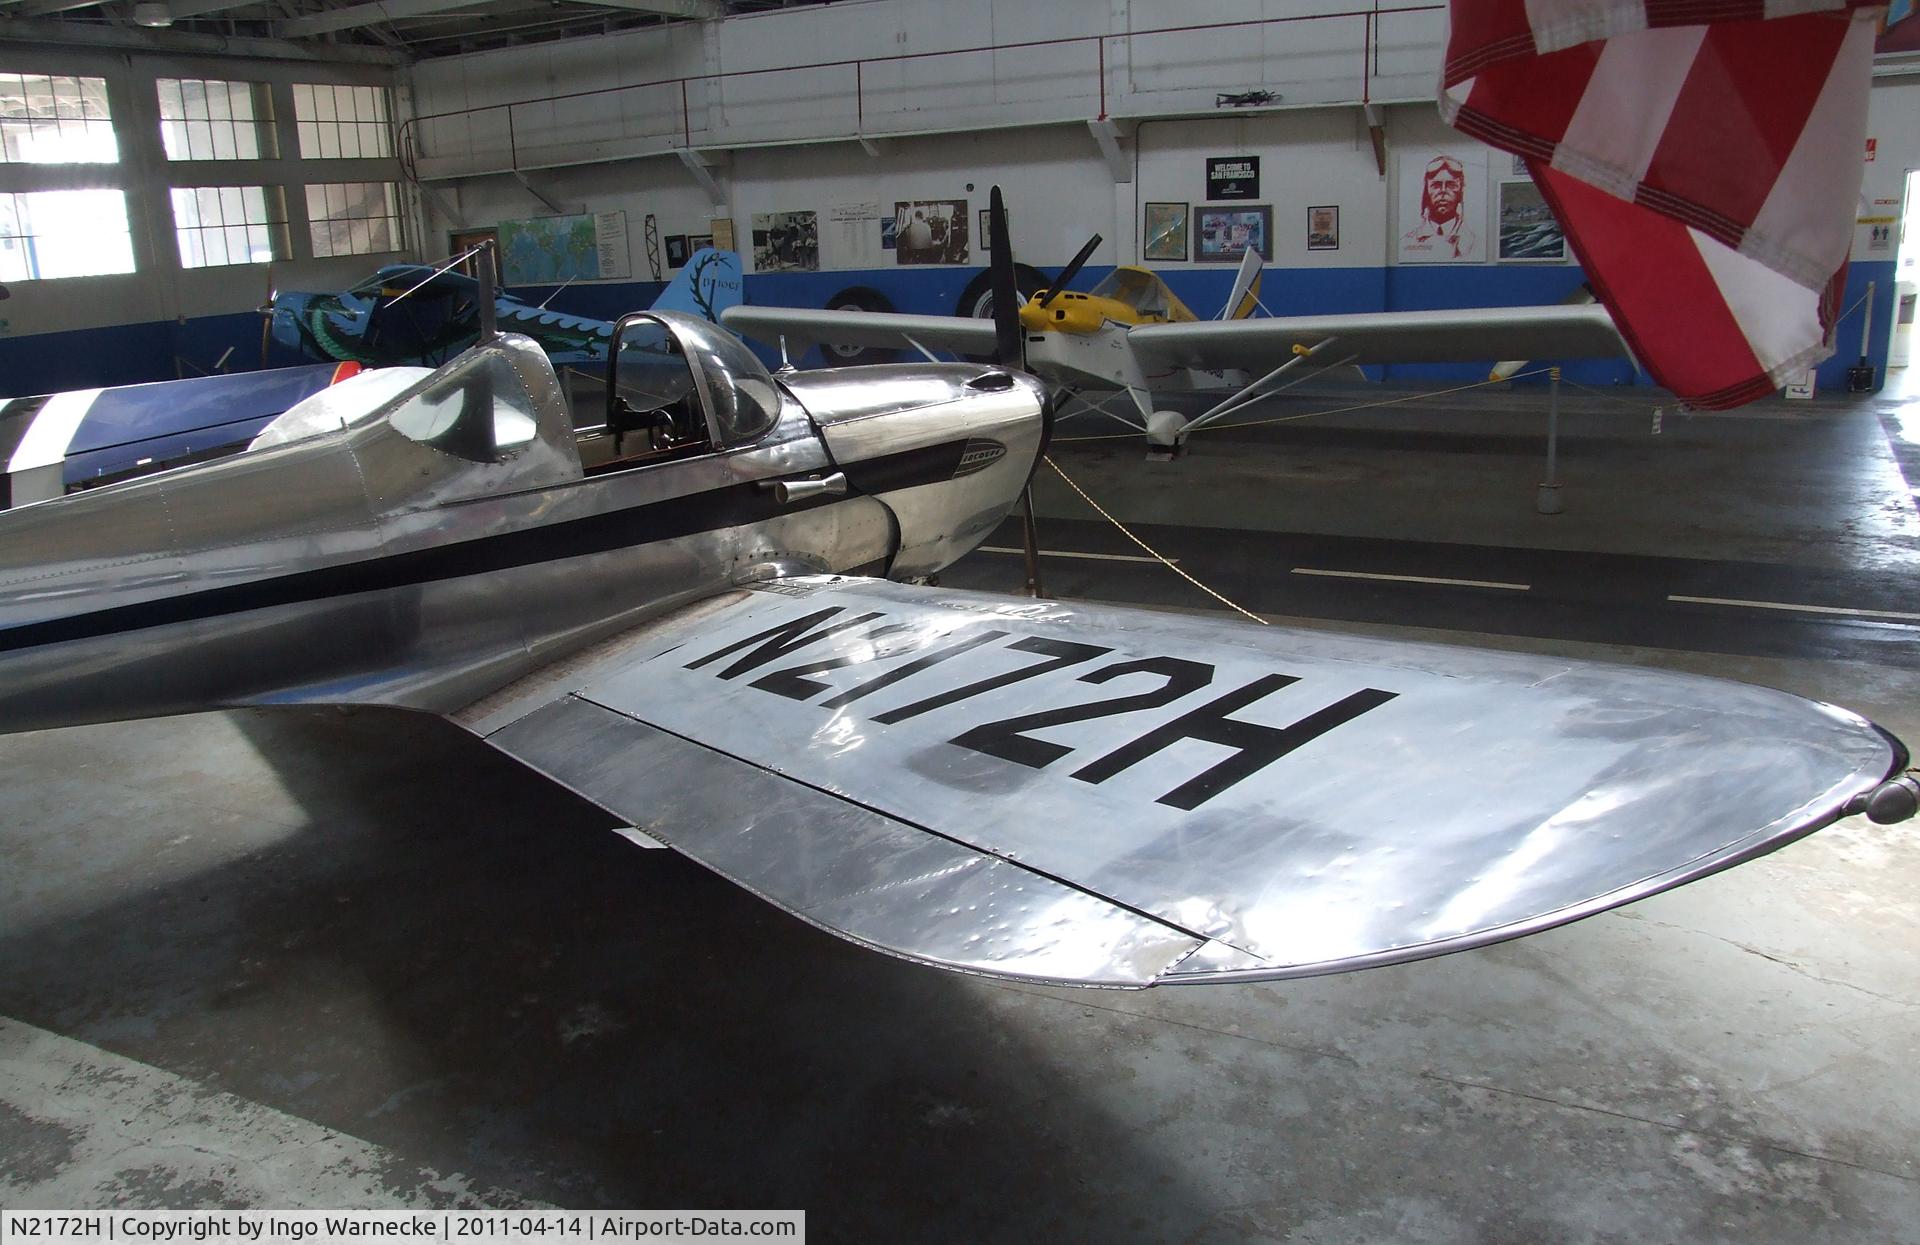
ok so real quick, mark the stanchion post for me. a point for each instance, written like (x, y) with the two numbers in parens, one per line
(1032, 542)
(1548, 499)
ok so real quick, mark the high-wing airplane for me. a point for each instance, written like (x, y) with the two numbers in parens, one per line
(702, 615)
(416, 314)
(1133, 334)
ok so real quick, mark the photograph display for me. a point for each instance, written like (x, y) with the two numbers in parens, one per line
(930, 231)
(786, 241)
(1165, 232)
(1225, 235)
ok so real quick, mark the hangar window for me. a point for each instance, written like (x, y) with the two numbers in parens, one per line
(203, 119)
(354, 218)
(229, 225)
(55, 120)
(337, 122)
(64, 233)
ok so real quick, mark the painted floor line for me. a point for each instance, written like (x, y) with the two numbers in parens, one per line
(1414, 579)
(1067, 553)
(1796, 609)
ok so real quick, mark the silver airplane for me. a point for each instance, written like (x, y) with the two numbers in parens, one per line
(702, 615)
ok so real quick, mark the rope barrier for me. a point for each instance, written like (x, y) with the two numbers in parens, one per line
(1157, 555)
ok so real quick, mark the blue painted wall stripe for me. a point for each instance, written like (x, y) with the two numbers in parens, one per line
(134, 353)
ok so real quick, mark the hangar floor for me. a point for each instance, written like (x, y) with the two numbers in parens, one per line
(356, 959)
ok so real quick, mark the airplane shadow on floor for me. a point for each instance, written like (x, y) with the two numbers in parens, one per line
(460, 962)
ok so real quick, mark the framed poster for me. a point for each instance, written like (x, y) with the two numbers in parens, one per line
(1528, 228)
(1233, 177)
(698, 242)
(1441, 207)
(930, 231)
(548, 250)
(1165, 234)
(677, 250)
(986, 229)
(1226, 234)
(1323, 228)
(786, 241)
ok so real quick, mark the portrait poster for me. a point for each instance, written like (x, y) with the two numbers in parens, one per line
(786, 242)
(1233, 177)
(1442, 205)
(677, 251)
(1165, 234)
(1226, 234)
(1323, 228)
(1528, 228)
(931, 231)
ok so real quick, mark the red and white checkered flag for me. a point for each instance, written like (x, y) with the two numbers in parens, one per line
(1704, 157)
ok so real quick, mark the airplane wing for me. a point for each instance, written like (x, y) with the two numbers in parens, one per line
(804, 326)
(1457, 335)
(1101, 796)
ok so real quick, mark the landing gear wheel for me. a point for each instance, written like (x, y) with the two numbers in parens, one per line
(1164, 435)
(976, 300)
(858, 298)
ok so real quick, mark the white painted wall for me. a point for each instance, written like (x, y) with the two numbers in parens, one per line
(1308, 62)
(1059, 188)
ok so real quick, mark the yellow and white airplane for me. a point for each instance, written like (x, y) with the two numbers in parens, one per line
(1132, 333)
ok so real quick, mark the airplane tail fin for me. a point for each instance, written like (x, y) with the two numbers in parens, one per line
(1246, 289)
(708, 284)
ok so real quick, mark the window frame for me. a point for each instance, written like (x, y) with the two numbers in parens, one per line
(279, 234)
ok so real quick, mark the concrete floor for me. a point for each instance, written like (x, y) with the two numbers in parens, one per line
(357, 959)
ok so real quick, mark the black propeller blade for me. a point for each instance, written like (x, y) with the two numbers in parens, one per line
(1007, 351)
(1071, 271)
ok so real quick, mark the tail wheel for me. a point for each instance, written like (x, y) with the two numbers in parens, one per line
(858, 298)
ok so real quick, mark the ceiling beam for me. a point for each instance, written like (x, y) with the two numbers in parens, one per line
(27, 30)
(357, 15)
(178, 9)
(47, 8)
(182, 9)
(693, 10)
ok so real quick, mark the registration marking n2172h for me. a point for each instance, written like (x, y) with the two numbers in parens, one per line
(1144, 683)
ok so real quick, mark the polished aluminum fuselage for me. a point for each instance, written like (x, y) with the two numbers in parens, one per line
(366, 566)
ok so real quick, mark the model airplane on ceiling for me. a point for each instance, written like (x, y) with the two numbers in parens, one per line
(1133, 334)
(419, 315)
(700, 614)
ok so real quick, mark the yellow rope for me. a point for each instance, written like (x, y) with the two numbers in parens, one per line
(1162, 559)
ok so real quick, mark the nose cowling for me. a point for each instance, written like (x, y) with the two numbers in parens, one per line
(946, 447)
